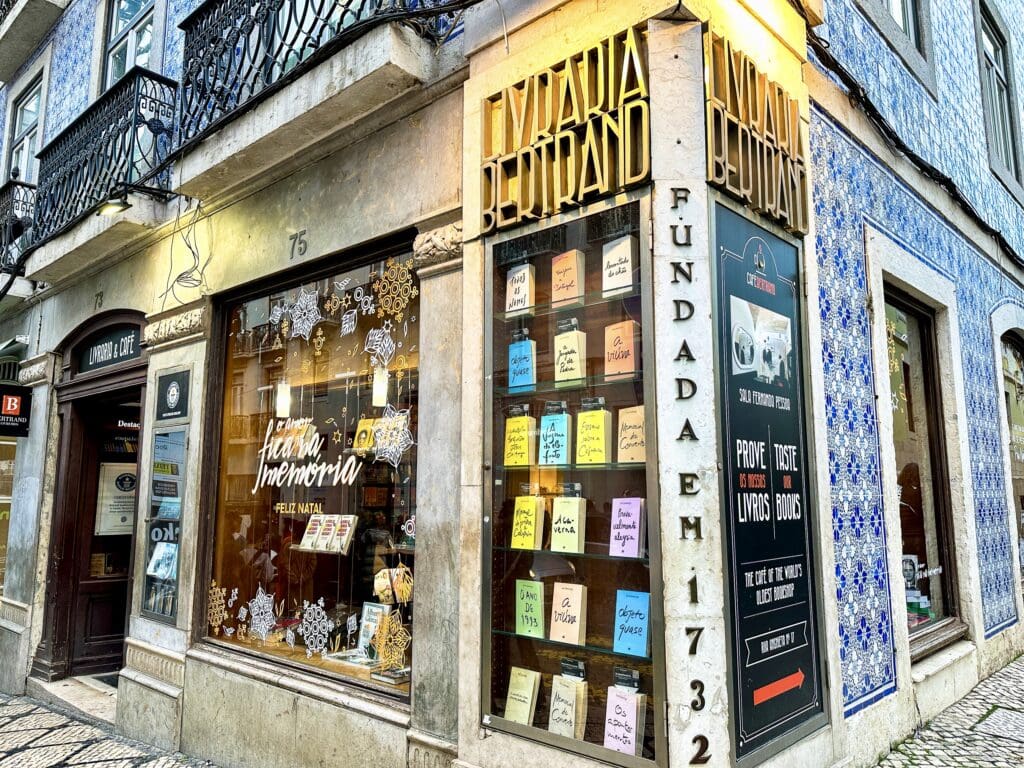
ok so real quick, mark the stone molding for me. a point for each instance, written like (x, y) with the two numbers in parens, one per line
(34, 371)
(428, 751)
(14, 612)
(155, 662)
(437, 246)
(175, 327)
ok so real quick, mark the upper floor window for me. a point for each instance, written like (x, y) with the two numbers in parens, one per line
(904, 13)
(1013, 398)
(129, 37)
(25, 140)
(997, 94)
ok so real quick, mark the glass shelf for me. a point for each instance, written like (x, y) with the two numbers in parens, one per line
(594, 299)
(569, 385)
(584, 555)
(558, 644)
(624, 465)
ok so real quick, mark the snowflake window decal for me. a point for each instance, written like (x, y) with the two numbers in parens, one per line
(261, 611)
(395, 290)
(391, 435)
(305, 314)
(316, 627)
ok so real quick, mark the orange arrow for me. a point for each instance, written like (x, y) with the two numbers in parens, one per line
(779, 687)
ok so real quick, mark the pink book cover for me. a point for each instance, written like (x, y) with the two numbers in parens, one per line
(627, 531)
(620, 721)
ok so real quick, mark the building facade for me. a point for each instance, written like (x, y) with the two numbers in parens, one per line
(477, 383)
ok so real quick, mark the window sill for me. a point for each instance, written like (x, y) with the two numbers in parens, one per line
(1008, 180)
(942, 635)
(325, 689)
(905, 50)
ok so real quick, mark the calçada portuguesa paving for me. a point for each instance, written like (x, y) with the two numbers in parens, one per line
(985, 729)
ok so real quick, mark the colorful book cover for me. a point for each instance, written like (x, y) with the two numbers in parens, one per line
(328, 531)
(569, 613)
(567, 278)
(555, 438)
(346, 532)
(529, 608)
(627, 529)
(522, 365)
(632, 617)
(521, 701)
(528, 522)
(620, 349)
(594, 437)
(568, 524)
(625, 717)
(364, 435)
(520, 445)
(631, 445)
(312, 532)
(520, 289)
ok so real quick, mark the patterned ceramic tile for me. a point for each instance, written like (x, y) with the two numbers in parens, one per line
(852, 189)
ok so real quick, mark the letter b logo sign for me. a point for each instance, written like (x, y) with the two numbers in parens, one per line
(11, 405)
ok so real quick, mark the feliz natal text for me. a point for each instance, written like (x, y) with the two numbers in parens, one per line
(297, 440)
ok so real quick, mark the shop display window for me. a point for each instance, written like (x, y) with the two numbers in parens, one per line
(8, 448)
(922, 487)
(315, 520)
(568, 589)
(1013, 397)
(163, 524)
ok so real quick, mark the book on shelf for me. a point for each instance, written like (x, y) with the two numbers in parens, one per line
(392, 676)
(625, 719)
(632, 620)
(364, 436)
(631, 445)
(567, 278)
(620, 349)
(594, 436)
(529, 608)
(329, 529)
(521, 699)
(556, 438)
(520, 290)
(312, 532)
(520, 445)
(628, 528)
(618, 264)
(346, 533)
(570, 353)
(522, 363)
(569, 613)
(568, 713)
(528, 522)
(568, 524)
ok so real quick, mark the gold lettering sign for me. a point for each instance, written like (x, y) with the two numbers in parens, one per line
(755, 142)
(568, 134)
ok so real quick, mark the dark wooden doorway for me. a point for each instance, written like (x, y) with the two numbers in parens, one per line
(92, 539)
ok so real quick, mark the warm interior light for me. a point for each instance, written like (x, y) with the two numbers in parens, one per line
(114, 205)
(283, 400)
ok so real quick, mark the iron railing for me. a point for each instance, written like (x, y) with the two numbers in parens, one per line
(5, 8)
(122, 141)
(238, 51)
(17, 205)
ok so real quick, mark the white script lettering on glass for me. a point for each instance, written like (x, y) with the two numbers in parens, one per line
(296, 440)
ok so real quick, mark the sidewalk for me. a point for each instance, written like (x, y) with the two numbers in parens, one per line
(985, 729)
(33, 735)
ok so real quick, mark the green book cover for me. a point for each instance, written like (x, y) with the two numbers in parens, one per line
(529, 608)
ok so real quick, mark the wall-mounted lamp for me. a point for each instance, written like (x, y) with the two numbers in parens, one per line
(114, 205)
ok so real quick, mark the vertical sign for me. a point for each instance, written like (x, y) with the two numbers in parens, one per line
(766, 494)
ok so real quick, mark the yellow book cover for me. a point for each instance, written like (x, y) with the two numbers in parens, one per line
(364, 435)
(594, 437)
(570, 356)
(631, 444)
(520, 441)
(528, 522)
(521, 701)
(568, 524)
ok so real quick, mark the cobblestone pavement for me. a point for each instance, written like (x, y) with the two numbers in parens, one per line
(34, 735)
(985, 729)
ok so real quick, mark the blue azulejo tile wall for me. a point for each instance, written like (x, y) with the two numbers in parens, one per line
(948, 128)
(852, 189)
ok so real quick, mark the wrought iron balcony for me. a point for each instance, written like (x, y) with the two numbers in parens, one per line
(17, 202)
(5, 8)
(123, 141)
(240, 51)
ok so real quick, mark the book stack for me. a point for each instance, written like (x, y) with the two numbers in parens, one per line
(568, 714)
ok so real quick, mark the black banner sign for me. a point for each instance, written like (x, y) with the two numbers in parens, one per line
(15, 410)
(766, 491)
(114, 345)
(172, 396)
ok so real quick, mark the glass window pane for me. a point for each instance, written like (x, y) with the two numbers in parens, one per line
(897, 12)
(27, 111)
(315, 525)
(118, 64)
(1013, 395)
(125, 11)
(913, 411)
(144, 42)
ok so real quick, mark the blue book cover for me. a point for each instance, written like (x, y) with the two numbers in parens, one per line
(555, 446)
(632, 618)
(522, 369)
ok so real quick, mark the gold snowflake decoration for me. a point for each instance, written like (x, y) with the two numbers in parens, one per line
(332, 304)
(395, 290)
(216, 611)
(391, 640)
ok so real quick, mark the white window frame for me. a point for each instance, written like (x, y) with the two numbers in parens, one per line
(128, 36)
(39, 70)
(997, 92)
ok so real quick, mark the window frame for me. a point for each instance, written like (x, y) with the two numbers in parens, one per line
(397, 245)
(915, 52)
(987, 15)
(1013, 337)
(17, 140)
(945, 631)
(128, 35)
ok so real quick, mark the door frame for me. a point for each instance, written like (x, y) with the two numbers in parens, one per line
(52, 659)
